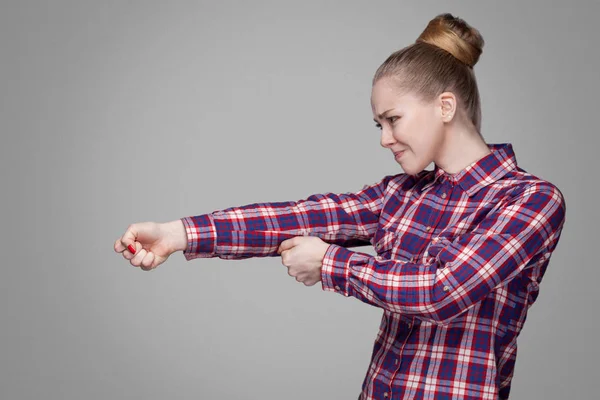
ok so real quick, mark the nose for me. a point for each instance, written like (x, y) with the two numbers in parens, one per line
(387, 139)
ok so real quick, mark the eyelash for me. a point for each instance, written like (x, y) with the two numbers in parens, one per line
(378, 126)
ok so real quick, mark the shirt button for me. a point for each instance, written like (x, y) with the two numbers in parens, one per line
(443, 195)
(385, 395)
(338, 288)
(396, 361)
(446, 288)
(428, 228)
(435, 239)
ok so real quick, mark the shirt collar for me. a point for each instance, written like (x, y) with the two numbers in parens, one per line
(479, 174)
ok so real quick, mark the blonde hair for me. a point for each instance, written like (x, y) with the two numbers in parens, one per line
(441, 59)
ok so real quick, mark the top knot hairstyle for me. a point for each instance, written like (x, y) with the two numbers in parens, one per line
(441, 59)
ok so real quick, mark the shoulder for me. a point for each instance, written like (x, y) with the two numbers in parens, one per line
(523, 182)
(539, 195)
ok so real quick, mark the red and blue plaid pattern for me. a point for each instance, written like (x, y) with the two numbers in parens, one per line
(459, 262)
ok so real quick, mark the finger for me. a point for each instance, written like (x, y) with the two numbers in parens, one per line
(288, 244)
(148, 261)
(136, 261)
(285, 257)
(128, 254)
(129, 237)
(119, 248)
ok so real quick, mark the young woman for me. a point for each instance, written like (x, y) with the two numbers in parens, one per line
(461, 249)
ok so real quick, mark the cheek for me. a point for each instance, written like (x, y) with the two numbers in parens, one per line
(431, 132)
(426, 142)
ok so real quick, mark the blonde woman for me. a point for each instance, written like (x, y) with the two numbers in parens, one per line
(461, 249)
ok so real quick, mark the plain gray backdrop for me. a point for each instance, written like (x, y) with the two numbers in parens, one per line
(117, 112)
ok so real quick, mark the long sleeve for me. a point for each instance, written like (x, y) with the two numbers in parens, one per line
(256, 230)
(458, 274)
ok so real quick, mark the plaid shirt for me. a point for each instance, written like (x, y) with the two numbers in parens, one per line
(459, 262)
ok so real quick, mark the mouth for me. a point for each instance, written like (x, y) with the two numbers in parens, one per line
(398, 154)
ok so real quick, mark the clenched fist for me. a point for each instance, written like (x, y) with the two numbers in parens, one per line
(303, 256)
(149, 244)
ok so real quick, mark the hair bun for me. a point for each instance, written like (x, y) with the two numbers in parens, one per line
(455, 36)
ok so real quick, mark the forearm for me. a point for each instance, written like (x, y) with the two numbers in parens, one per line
(457, 274)
(250, 231)
(256, 230)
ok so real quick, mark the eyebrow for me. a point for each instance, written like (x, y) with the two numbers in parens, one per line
(382, 114)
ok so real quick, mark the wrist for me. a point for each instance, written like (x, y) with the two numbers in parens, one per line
(177, 235)
(324, 251)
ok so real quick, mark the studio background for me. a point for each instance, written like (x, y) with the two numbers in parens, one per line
(119, 112)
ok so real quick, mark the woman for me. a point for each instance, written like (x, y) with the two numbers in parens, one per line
(461, 250)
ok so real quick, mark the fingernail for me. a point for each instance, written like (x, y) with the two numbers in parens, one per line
(131, 249)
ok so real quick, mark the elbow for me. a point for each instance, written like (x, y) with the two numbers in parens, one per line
(442, 311)
(440, 318)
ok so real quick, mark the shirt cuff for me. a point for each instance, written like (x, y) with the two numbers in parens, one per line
(334, 272)
(201, 237)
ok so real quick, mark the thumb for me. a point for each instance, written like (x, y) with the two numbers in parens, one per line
(287, 244)
(129, 237)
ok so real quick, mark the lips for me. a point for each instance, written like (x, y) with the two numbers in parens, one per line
(398, 154)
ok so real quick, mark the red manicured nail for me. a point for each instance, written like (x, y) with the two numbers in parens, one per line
(131, 249)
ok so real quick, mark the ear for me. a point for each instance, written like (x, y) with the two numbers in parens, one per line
(448, 106)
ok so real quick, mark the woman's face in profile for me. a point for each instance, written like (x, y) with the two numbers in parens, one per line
(410, 128)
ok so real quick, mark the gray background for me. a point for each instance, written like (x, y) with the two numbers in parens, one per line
(119, 112)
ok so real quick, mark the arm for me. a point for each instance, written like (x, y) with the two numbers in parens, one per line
(256, 230)
(461, 273)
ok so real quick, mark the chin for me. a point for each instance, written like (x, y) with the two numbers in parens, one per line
(412, 170)
(409, 171)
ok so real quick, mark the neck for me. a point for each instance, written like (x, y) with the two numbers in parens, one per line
(462, 147)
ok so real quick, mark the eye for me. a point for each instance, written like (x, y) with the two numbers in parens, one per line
(391, 119)
(378, 126)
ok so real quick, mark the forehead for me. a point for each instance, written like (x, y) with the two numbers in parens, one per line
(387, 93)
